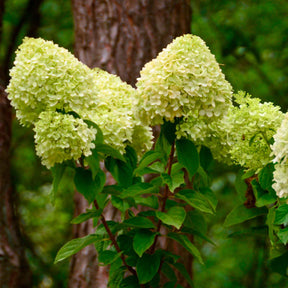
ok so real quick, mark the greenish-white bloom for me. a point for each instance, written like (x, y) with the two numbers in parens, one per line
(280, 178)
(280, 145)
(240, 137)
(184, 78)
(115, 114)
(48, 77)
(280, 151)
(60, 137)
(251, 126)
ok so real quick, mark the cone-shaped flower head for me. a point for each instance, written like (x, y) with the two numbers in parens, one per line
(185, 77)
(280, 150)
(48, 77)
(115, 114)
(60, 137)
(242, 136)
(251, 127)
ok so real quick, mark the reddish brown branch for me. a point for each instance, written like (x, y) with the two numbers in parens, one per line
(113, 240)
(165, 197)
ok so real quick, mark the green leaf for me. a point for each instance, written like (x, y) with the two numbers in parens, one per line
(281, 216)
(177, 176)
(270, 223)
(130, 282)
(155, 282)
(204, 176)
(116, 275)
(138, 188)
(99, 135)
(57, 173)
(195, 224)
(280, 264)
(85, 185)
(196, 200)
(120, 204)
(85, 216)
(251, 231)
(121, 171)
(263, 197)
(283, 235)
(107, 257)
(139, 222)
(169, 129)
(170, 284)
(75, 245)
(266, 199)
(240, 214)
(210, 196)
(248, 174)
(147, 266)
(168, 272)
(240, 185)
(147, 159)
(143, 240)
(167, 180)
(206, 158)
(265, 176)
(104, 244)
(163, 146)
(94, 163)
(181, 268)
(188, 155)
(197, 233)
(126, 245)
(196, 221)
(175, 216)
(186, 243)
(107, 150)
(167, 256)
(131, 157)
(150, 201)
(114, 227)
(102, 200)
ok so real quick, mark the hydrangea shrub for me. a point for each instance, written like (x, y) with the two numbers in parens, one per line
(84, 116)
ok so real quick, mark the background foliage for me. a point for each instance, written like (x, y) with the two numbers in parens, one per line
(250, 39)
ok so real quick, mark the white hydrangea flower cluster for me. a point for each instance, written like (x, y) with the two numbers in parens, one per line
(48, 77)
(280, 145)
(242, 136)
(280, 150)
(115, 114)
(252, 126)
(184, 77)
(60, 137)
(280, 184)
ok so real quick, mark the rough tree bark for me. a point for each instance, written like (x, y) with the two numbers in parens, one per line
(14, 270)
(119, 36)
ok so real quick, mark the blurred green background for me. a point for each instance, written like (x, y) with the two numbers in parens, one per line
(249, 39)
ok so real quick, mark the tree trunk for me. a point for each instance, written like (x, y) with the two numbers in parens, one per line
(14, 270)
(120, 36)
